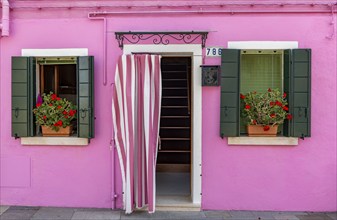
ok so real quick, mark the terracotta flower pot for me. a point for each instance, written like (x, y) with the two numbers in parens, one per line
(62, 132)
(259, 131)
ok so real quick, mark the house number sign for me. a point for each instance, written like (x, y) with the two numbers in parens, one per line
(213, 51)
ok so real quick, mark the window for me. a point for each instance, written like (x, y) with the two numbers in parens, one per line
(250, 70)
(68, 77)
(259, 71)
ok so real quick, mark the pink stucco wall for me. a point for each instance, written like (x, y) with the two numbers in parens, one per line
(300, 177)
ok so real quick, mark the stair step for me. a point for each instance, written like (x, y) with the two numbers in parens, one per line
(174, 97)
(175, 88)
(174, 116)
(175, 127)
(174, 151)
(174, 79)
(174, 139)
(174, 106)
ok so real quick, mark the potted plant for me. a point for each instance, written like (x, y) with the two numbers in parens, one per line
(263, 112)
(54, 115)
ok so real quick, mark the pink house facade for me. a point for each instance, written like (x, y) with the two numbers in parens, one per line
(283, 173)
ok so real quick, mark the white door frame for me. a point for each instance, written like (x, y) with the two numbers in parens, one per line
(195, 51)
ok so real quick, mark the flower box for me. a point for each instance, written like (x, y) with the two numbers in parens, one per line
(62, 132)
(261, 131)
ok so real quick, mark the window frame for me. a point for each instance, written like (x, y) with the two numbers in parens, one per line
(262, 45)
(71, 52)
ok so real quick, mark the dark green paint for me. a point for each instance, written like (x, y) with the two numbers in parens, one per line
(230, 108)
(85, 96)
(297, 81)
(23, 96)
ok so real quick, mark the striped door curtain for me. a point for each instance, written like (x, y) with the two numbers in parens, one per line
(136, 116)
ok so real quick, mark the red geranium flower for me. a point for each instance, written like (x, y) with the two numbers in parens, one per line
(38, 105)
(242, 96)
(58, 98)
(72, 113)
(285, 108)
(272, 103)
(269, 90)
(247, 107)
(59, 123)
(50, 104)
(254, 122)
(44, 117)
(266, 127)
(289, 116)
(64, 112)
(53, 96)
(284, 95)
(278, 103)
(272, 115)
(59, 107)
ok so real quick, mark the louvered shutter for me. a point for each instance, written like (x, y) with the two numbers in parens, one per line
(23, 96)
(297, 84)
(230, 106)
(85, 97)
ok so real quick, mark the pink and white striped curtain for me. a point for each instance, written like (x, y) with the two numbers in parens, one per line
(136, 115)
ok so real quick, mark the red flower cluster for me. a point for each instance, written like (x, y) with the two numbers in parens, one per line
(72, 113)
(278, 103)
(266, 127)
(54, 97)
(267, 108)
(59, 123)
(54, 112)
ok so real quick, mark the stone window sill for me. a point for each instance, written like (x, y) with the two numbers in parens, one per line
(56, 141)
(262, 141)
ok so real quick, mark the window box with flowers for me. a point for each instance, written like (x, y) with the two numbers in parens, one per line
(54, 115)
(264, 112)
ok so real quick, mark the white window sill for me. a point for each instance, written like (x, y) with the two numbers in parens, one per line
(262, 141)
(73, 141)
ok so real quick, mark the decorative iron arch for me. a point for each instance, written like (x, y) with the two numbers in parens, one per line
(187, 37)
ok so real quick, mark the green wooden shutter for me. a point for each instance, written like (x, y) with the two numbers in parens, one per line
(287, 88)
(298, 87)
(85, 96)
(23, 96)
(230, 101)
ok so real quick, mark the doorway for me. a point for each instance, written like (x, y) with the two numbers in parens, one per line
(194, 51)
(173, 170)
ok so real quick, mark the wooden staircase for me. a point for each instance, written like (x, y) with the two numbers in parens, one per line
(174, 154)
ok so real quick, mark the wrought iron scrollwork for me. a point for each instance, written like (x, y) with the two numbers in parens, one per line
(160, 37)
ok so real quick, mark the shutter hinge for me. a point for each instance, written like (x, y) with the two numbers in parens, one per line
(302, 137)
